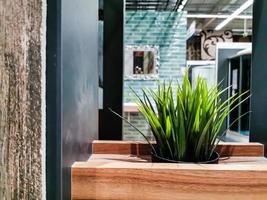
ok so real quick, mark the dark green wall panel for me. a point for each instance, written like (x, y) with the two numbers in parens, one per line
(259, 74)
(72, 89)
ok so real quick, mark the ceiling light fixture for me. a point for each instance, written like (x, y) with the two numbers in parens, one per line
(184, 2)
(208, 16)
(182, 5)
(242, 8)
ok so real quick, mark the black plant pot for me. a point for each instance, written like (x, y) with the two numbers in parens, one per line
(214, 159)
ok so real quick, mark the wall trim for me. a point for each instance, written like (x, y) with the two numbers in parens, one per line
(43, 97)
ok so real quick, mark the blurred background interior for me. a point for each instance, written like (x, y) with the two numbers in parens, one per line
(161, 39)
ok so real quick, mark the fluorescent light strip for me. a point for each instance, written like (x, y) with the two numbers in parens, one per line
(246, 5)
(182, 5)
(184, 2)
(206, 16)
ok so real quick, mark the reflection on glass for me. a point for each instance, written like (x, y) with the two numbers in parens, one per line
(143, 62)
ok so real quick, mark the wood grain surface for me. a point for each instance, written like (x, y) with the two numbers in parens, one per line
(129, 176)
(142, 148)
(21, 114)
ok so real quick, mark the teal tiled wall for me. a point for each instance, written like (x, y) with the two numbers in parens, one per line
(166, 30)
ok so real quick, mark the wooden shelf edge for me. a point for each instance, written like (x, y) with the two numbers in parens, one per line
(142, 148)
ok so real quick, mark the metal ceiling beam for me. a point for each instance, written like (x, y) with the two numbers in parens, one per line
(207, 22)
(157, 5)
(142, 1)
(177, 5)
(152, 4)
(167, 3)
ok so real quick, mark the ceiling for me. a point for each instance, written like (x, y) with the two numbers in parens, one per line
(197, 7)
(160, 5)
(217, 7)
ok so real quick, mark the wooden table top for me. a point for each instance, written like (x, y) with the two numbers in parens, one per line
(132, 161)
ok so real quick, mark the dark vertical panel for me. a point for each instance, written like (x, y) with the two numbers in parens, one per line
(53, 100)
(80, 83)
(72, 89)
(258, 121)
(110, 126)
(223, 72)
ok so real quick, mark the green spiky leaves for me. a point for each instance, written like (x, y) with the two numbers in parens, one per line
(186, 122)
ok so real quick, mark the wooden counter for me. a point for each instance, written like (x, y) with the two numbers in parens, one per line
(122, 170)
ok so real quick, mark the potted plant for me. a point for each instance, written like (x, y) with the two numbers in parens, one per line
(186, 122)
